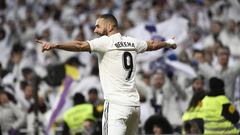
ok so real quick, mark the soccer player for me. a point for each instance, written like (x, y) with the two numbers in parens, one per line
(117, 65)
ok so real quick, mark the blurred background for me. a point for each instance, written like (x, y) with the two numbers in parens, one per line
(37, 89)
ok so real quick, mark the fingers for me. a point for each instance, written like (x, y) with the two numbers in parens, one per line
(174, 46)
(172, 42)
(45, 45)
(39, 41)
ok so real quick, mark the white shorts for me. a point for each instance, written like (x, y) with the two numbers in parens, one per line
(120, 120)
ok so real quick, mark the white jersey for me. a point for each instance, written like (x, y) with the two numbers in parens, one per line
(117, 66)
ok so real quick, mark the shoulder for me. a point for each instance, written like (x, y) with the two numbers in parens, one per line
(223, 99)
(102, 38)
(216, 99)
(99, 44)
(132, 39)
(140, 45)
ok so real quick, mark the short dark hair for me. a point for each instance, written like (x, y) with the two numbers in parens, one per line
(26, 70)
(93, 91)
(24, 84)
(226, 48)
(198, 51)
(216, 84)
(2, 91)
(78, 98)
(110, 18)
(199, 77)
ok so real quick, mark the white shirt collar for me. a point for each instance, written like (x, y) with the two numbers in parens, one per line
(116, 35)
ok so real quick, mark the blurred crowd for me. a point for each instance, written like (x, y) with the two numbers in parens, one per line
(34, 91)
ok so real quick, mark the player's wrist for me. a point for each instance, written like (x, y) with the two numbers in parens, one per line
(170, 43)
(54, 45)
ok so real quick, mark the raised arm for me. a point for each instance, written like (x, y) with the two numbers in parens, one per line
(155, 45)
(75, 46)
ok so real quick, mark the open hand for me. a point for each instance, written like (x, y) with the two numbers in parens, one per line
(46, 46)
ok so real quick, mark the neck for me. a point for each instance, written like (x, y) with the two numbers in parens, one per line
(224, 67)
(112, 32)
(216, 93)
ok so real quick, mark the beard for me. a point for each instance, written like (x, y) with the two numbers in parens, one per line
(104, 33)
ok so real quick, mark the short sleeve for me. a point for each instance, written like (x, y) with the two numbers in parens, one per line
(141, 46)
(99, 44)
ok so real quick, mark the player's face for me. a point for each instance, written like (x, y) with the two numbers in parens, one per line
(100, 27)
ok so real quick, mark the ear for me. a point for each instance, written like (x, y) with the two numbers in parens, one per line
(110, 27)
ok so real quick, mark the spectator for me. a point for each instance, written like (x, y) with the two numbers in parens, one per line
(198, 56)
(223, 70)
(38, 119)
(219, 114)
(213, 36)
(158, 94)
(166, 96)
(230, 38)
(27, 99)
(15, 64)
(227, 64)
(93, 97)
(196, 86)
(75, 117)
(15, 58)
(157, 125)
(192, 120)
(11, 118)
(95, 100)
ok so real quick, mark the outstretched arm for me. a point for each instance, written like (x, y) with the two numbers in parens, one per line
(155, 45)
(74, 46)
